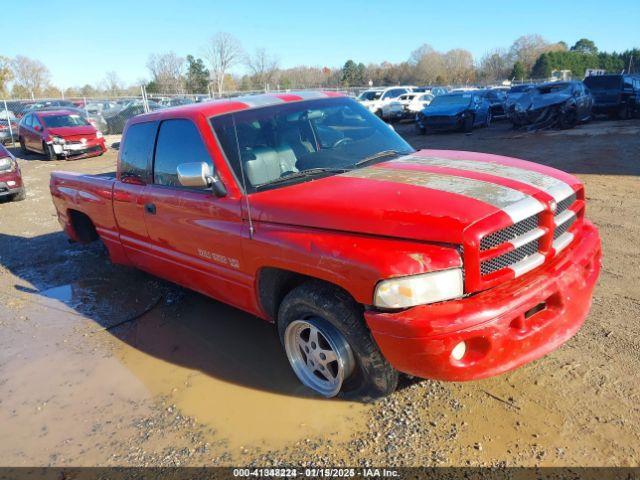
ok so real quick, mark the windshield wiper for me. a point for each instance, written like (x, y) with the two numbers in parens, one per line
(307, 172)
(377, 156)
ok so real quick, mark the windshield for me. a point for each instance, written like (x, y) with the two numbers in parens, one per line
(600, 82)
(520, 88)
(270, 143)
(555, 88)
(56, 121)
(457, 100)
(369, 95)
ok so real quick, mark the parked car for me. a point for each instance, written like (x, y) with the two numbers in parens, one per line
(515, 92)
(369, 257)
(455, 111)
(562, 104)
(60, 133)
(413, 102)
(497, 102)
(8, 127)
(615, 95)
(383, 101)
(116, 120)
(11, 184)
(46, 104)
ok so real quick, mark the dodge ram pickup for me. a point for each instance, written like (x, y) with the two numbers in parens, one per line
(371, 258)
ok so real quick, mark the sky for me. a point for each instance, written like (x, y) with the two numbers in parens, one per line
(79, 41)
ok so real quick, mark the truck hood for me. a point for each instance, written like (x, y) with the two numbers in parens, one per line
(72, 131)
(444, 110)
(430, 195)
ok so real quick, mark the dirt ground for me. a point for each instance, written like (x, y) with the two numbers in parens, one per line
(103, 365)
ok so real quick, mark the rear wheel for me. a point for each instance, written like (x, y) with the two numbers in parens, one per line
(329, 346)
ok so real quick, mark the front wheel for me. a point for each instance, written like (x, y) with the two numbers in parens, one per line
(329, 346)
(49, 152)
(467, 124)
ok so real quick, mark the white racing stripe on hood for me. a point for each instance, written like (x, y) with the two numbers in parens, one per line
(516, 204)
(558, 189)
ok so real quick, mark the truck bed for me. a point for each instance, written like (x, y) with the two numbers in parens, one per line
(91, 195)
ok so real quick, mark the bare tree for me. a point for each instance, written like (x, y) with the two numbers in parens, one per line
(263, 67)
(30, 76)
(6, 74)
(112, 83)
(527, 48)
(459, 66)
(495, 65)
(223, 52)
(167, 70)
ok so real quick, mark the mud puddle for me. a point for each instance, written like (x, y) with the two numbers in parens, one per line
(89, 359)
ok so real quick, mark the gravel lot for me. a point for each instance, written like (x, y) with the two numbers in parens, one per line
(103, 365)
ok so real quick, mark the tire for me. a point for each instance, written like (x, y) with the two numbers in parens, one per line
(49, 152)
(368, 376)
(624, 112)
(467, 124)
(21, 195)
(23, 147)
(568, 119)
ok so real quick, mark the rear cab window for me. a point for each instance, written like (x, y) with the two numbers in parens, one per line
(137, 149)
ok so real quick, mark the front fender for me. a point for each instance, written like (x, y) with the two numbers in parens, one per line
(354, 262)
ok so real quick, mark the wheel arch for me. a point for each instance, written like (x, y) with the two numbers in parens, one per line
(82, 226)
(274, 283)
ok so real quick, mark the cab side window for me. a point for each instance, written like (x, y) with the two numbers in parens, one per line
(178, 142)
(137, 150)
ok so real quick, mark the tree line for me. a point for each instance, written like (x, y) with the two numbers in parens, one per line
(215, 70)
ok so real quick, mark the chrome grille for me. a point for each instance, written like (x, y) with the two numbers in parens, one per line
(566, 203)
(507, 234)
(498, 263)
(560, 229)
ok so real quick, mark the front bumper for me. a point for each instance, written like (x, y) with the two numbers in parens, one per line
(440, 123)
(504, 327)
(91, 148)
(10, 184)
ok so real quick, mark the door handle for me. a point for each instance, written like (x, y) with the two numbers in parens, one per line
(150, 208)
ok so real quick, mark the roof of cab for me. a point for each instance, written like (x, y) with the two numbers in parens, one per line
(235, 104)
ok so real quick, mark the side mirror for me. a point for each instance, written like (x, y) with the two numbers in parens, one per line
(199, 175)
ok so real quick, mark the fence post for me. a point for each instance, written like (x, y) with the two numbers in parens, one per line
(6, 111)
(145, 104)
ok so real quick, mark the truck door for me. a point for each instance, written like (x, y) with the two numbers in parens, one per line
(196, 237)
(128, 193)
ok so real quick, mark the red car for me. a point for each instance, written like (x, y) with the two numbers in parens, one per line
(10, 177)
(370, 257)
(60, 133)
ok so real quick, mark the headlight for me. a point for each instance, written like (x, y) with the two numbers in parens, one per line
(58, 140)
(403, 292)
(99, 134)
(6, 164)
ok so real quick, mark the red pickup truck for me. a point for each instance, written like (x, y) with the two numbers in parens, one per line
(371, 258)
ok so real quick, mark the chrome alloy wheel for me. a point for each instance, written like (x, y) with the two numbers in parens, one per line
(319, 355)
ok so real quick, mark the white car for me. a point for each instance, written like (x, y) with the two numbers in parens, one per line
(414, 102)
(383, 101)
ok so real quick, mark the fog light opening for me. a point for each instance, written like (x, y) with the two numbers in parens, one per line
(458, 351)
